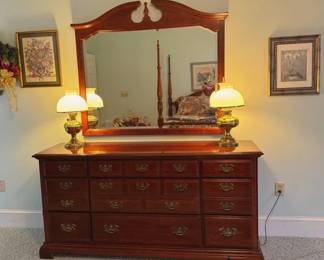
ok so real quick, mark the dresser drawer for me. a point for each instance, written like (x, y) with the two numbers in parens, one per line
(72, 202)
(227, 168)
(67, 186)
(143, 187)
(65, 168)
(179, 169)
(116, 204)
(181, 187)
(104, 187)
(182, 206)
(71, 227)
(105, 168)
(159, 230)
(227, 206)
(227, 188)
(142, 168)
(226, 232)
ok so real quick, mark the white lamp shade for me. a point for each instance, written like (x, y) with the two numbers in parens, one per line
(71, 102)
(226, 98)
(94, 100)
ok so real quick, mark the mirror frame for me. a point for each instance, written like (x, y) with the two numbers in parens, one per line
(118, 19)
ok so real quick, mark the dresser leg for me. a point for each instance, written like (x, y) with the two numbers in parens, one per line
(44, 254)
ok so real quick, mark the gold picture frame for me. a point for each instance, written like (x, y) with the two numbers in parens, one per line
(39, 58)
(295, 65)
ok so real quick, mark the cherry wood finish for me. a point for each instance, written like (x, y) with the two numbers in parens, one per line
(151, 199)
(174, 15)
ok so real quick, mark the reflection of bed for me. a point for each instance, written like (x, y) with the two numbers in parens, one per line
(189, 110)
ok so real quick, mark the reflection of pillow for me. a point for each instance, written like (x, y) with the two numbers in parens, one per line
(195, 106)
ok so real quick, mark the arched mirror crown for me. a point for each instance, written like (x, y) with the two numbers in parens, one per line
(154, 74)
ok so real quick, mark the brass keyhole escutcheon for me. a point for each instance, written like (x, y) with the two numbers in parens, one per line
(105, 167)
(142, 167)
(179, 167)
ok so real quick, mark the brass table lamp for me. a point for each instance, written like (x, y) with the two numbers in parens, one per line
(94, 102)
(226, 99)
(72, 103)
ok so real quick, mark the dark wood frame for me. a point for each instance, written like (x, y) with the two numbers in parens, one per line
(315, 40)
(31, 34)
(192, 71)
(119, 19)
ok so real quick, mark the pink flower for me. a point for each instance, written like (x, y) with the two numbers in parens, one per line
(14, 69)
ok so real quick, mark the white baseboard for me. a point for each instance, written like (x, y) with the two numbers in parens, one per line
(19, 218)
(277, 226)
(293, 226)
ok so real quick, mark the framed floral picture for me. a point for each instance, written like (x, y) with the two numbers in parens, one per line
(294, 65)
(39, 58)
(203, 74)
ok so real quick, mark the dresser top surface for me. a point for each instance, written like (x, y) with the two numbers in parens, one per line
(158, 149)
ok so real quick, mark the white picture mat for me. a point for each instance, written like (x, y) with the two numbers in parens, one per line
(295, 84)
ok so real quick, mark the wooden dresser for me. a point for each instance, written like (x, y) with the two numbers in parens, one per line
(191, 200)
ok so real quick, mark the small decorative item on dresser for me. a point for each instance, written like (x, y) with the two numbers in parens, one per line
(94, 102)
(295, 65)
(227, 98)
(72, 103)
(9, 72)
(39, 58)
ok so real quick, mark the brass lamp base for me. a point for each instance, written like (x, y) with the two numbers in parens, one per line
(73, 127)
(227, 122)
(92, 119)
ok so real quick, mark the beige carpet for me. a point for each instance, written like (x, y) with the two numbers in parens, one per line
(23, 244)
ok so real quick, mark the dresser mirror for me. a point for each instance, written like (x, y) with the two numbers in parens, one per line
(154, 76)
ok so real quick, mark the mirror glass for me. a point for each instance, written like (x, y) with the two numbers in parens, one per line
(122, 66)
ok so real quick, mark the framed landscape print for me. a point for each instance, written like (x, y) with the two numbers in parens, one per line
(294, 65)
(203, 73)
(39, 58)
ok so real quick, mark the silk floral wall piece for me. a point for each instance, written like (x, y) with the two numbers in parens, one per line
(9, 73)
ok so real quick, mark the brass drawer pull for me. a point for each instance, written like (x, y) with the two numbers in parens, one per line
(68, 228)
(142, 167)
(226, 167)
(227, 206)
(228, 232)
(111, 229)
(64, 168)
(179, 231)
(65, 185)
(116, 204)
(171, 205)
(67, 203)
(104, 185)
(105, 167)
(144, 186)
(179, 167)
(180, 187)
(226, 187)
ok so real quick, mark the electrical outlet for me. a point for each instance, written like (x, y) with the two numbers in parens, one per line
(279, 188)
(2, 186)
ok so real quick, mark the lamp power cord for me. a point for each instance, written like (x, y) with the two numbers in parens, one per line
(268, 217)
